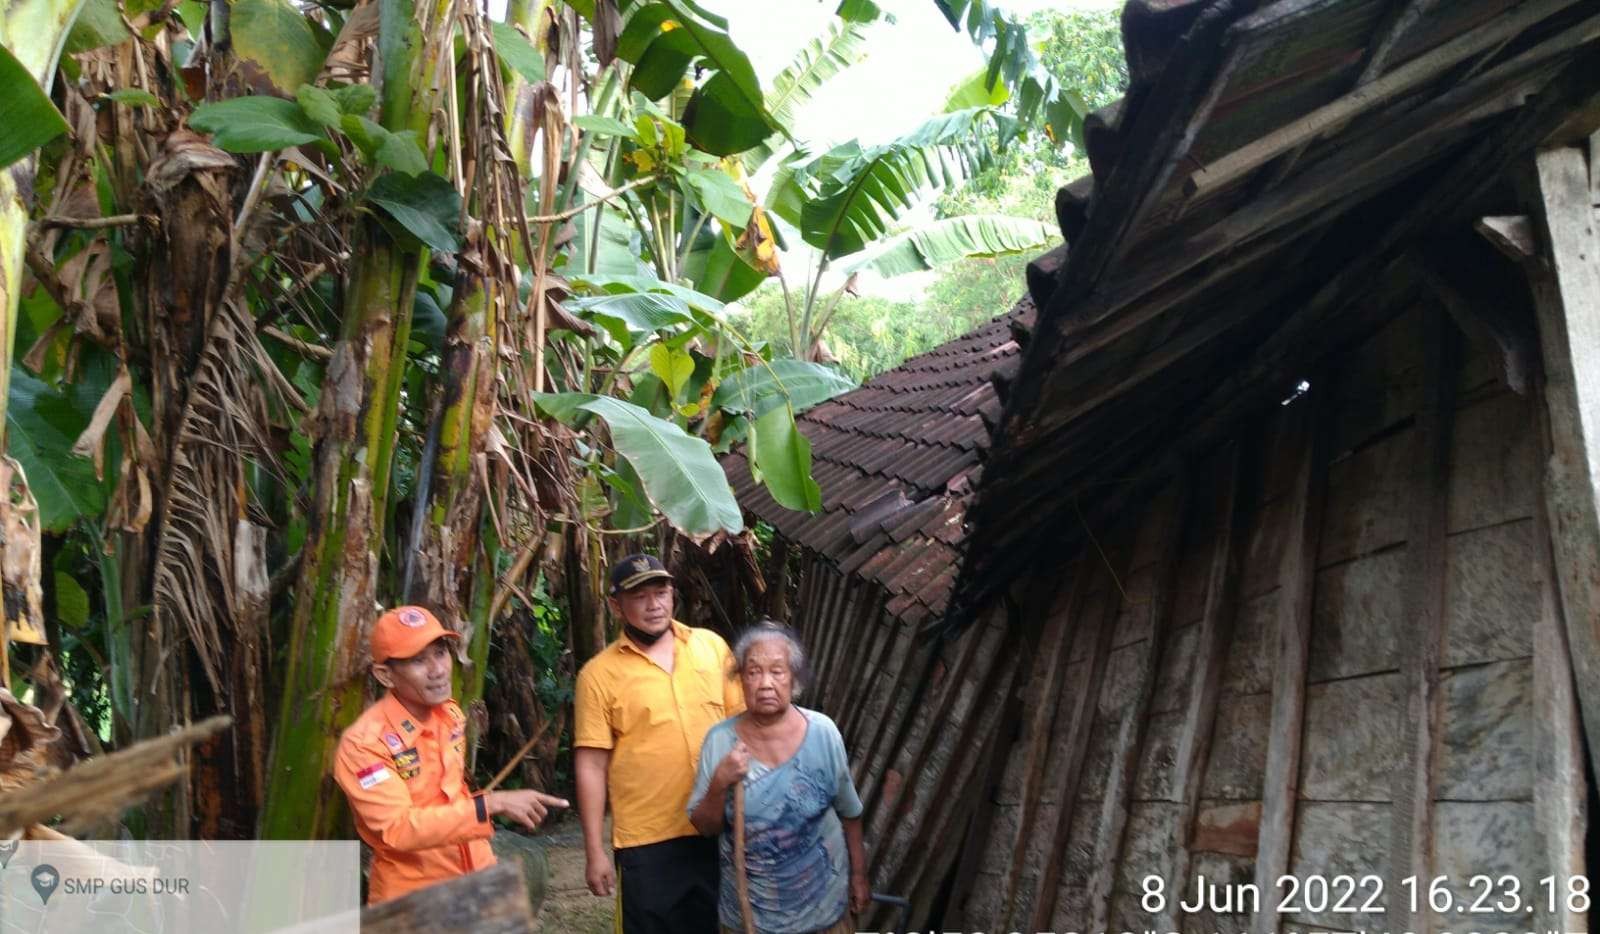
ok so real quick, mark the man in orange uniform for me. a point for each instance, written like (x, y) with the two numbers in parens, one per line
(402, 764)
(643, 706)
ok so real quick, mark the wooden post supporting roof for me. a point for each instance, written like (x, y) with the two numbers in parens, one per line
(1412, 834)
(1216, 630)
(1566, 285)
(1297, 573)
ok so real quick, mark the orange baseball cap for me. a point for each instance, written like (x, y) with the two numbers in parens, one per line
(404, 631)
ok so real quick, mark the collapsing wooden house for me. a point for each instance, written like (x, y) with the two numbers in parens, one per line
(1268, 546)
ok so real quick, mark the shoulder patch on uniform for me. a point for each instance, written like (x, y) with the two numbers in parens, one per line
(408, 763)
(373, 774)
(392, 740)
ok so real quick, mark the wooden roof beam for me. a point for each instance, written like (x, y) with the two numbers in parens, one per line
(1337, 313)
(1376, 158)
(1387, 36)
(1406, 78)
(1400, 21)
(1156, 140)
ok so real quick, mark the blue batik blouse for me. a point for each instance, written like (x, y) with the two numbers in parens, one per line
(795, 855)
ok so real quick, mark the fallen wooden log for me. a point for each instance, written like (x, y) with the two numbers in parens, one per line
(491, 901)
(103, 786)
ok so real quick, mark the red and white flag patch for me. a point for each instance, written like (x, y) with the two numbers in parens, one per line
(372, 775)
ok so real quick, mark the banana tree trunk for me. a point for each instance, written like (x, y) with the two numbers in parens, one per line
(336, 593)
(454, 573)
(33, 30)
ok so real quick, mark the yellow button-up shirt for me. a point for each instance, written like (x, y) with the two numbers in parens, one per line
(653, 722)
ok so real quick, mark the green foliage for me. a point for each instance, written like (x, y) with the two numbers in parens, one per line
(255, 124)
(355, 98)
(860, 11)
(949, 239)
(677, 470)
(42, 423)
(390, 150)
(72, 601)
(977, 90)
(604, 126)
(631, 314)
(721, 270)
(871, 334)
(27, 118)
(780, 458)
(517, 53)
(852, 196)
(1082, 49)
(818, 61)
(134, 97)
(1041, 97)
(672, 367)
(426, 206)
(99, 24)
(277, 38)
(719, 195)
(662, 39)
(319, 104)
(796, 384)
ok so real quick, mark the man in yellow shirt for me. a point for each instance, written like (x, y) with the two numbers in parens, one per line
(644, 705)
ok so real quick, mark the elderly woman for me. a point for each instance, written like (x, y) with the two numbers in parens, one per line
(804, 859)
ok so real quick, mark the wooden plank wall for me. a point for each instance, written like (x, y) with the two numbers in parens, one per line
(1332, 647)
(918, 717)
(1327, 662)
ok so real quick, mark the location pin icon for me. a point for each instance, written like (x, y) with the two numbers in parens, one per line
(45, 879)
(8, 849)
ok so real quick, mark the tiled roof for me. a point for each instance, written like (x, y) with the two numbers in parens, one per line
(897, 460)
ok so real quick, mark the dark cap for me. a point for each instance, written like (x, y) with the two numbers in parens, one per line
(634, 570)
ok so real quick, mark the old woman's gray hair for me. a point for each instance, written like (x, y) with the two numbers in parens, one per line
(799, 664)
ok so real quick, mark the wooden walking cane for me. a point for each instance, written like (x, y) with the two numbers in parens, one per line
(741, 879)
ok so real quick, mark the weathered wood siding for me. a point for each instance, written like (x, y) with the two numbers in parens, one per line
(1332, 646)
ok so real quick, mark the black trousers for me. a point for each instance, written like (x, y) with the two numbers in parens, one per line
(670, 887)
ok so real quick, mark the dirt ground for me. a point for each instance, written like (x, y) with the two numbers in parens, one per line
(568, 906)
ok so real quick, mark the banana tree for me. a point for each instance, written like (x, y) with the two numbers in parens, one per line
(412, 210)
(705, 226)
(686, 369)
(1014, 71)
(31, 34)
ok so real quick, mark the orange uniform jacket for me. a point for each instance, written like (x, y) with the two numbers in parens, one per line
(407, 786)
